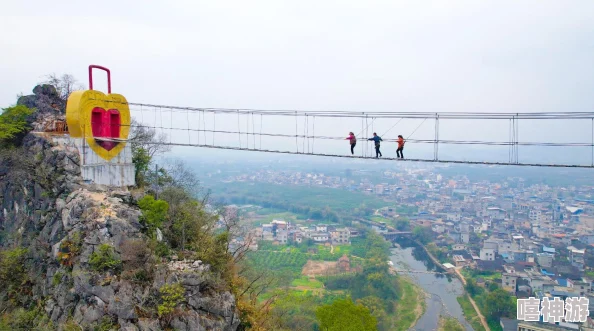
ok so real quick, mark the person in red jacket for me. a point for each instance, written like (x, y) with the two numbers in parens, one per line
(399, 151)
(353, 142)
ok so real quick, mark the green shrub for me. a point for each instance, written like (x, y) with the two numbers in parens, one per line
(171, 296)
(141, 159)
(13, 122)
(106, 324)
(57, 278)
(154, 213)
(20, 319)
(105, 259)
(159, 248)
(12, 269)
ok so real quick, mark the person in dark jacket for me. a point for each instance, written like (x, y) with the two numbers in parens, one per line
(376, 139)
(353, 140)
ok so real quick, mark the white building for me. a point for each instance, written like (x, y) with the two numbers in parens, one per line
(321, 228)
(487, 254)
(319, 236)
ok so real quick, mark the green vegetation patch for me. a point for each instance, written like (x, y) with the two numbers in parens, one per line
(304, 281)
(277, 262)
(407, 313)
(470, 313)
(484, 274)
(343, 249)
(318, 203)
(447, 323)
(105, 258)
(345, 315)
(13, 122)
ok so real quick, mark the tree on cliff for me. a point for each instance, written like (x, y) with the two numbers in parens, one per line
(146, 143)
(13, 123)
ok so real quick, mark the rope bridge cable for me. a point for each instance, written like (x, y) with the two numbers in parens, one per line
(442, 115)
(549, 165)
(436, 145)
(393, 126)
(304, 131)
(514, 162)
(313, 141)
(415, 130)
(247, 130)
(204, 124)
(460, 142)
(296, 132)
(363, 130)
(362, 124)
(514, 142)
(189, 133)
(238, 129)
(366, 134)
(254, 130)
(198, 133)
(428, 141)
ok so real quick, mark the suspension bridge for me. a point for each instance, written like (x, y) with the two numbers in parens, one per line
(302, 132)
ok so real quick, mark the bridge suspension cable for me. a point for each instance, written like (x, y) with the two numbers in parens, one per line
(367, 121)
(442, 115)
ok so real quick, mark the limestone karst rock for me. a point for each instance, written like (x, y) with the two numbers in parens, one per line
(62, 221)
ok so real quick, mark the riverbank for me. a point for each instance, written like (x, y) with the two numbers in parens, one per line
(456, 272)
(480, 316)
(407, 313)
(439, 291)
(433, 258)
(449, 324)
(470, 313)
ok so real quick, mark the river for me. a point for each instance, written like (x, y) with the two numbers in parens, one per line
(442, 290)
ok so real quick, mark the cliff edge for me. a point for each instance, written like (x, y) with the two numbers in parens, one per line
(74, 254)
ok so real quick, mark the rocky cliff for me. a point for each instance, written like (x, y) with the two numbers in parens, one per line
(86, 260)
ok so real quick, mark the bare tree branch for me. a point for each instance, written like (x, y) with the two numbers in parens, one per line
(64, 84)
(148, 139)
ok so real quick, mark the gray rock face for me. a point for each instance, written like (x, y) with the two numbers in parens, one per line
(48, 103)
(45, 206)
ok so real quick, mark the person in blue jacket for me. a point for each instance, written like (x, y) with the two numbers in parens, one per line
(376, 139)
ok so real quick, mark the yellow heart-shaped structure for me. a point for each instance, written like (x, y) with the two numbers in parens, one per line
(103, 120)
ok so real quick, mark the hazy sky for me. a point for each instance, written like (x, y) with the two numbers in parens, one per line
(508, 56)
